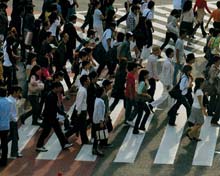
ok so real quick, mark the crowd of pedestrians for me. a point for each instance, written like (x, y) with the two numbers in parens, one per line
(50, 41)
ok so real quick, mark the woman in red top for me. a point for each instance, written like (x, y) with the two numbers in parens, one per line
(201, 5)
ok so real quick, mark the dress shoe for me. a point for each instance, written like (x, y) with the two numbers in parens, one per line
(97, 152)
(41, 149)
(136, 132)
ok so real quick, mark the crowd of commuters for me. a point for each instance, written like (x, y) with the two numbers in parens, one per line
(50, 42)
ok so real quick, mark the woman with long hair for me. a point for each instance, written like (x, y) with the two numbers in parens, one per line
(184, 85)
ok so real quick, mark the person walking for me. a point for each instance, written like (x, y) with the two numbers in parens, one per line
(215, 15)
(184, 84)
(5, 114)
(50, 119)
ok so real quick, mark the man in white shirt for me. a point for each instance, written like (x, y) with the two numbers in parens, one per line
(166, 78)
(15, 93)
(81, 108)
(179, 55)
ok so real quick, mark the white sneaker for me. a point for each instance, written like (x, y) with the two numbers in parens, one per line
(41, 149)
(66, 146)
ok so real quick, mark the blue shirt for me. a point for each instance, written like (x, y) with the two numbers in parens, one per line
(5, 113)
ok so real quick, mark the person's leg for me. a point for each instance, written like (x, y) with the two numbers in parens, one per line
(166, 41)
(147, 113)
(83, 129)
(128, 109)
(67, 78)
(139, 117)
(202, 29)
(4, 146)
(187, 106)
(115, 102)
(44, 134)
(152, 89)
(58, 131)
(216, 115)
(177, 68)
(14, 135)
(34, 101)
(173, 111)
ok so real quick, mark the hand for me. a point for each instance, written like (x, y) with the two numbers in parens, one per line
(204, 111)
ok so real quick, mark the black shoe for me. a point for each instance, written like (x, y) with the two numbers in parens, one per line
(197, 139)
(41, 149)
(151, 107)
(109, 145)
(142, 129)
(36, 123)
(97, 152)
(136, 132)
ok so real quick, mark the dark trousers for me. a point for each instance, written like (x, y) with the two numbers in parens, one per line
(142, 107)
(10, 78)
(82, 126)
(201, 25)
(152, 89)
(47, 126)
(169, 35)
(35, 104)
(13, 136)
(212, 104)
(95, 128)
(216, 116)
(149, 37)
(4, 146)
(129, 115)
(173, 111)
(111, 67)
(216, 25)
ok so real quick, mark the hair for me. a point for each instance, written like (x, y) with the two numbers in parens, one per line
(14, 88)
(174, 12)
(57, 74)
(134, 7)
(56, 85)
(150, 4)
(83, 79)
(48, 34)
(215, 32)
(30, 57)
(120, 37)
(187, 6)
(3, 92)
(96, 3)
(93, 75)
(218, 4)
(211, 30)
(198, 83)
(99, 92)
(72, 17)
(190, 57)
(85, 63)
(186, 69)
(33, 72)
(128, 35)
(82, 53)
(131, 66)
(216, 59)
(182, 32)
(142, 74)
(169, 51)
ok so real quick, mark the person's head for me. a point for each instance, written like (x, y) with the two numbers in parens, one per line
(83, 55)
(182, 34)
(199, 82)
(151, 5)
(58, 76)
(143, 75)
(187, 6)
(216, 60)
(15, 91)
(36, 71)
(120, 37)
(84, 81)
(169, 52)
(215, 32)
(65, 38)
(97, 4)
(99, 92)
(211, 30)
(49, 36)
(134, 9)
(218, 4)
(73, 18)
(85, 65)
(31, 59)
(3, 92)
(93, 77)
(156, 50)
(129, 36)
(190, 58)
(56, 87)
(187, 69)
(107, 85)
(91, 33)
(132, 67)
(174, 13)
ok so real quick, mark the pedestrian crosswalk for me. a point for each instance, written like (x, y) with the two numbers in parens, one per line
(167, 148)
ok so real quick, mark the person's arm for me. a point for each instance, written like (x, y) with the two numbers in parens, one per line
(80, 98)
(195, 6)
(206, 26)
(207, 8)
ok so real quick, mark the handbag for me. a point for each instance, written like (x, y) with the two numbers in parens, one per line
(108, 123)
(175, 92)
(102, 134)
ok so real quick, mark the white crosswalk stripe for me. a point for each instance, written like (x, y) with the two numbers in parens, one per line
(168, 146)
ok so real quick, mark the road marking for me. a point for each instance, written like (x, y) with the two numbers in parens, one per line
(85, 153)
(129, 149)
(26, 132)
(171, 139)
(205, 149)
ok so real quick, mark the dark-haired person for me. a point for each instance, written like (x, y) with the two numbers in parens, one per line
(216, 17)
(172, 28)
(184, 84)
(130, 92)
(198, 111)
(50, 119)
(14, 94)
(5, 115)
(132, 19)
(142, 97)
(166, 79)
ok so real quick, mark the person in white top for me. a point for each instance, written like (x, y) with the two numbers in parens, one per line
(166, 79)
(98, 119)
(81, 108)
(198, 111)
(15, 93)
(97, 20)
